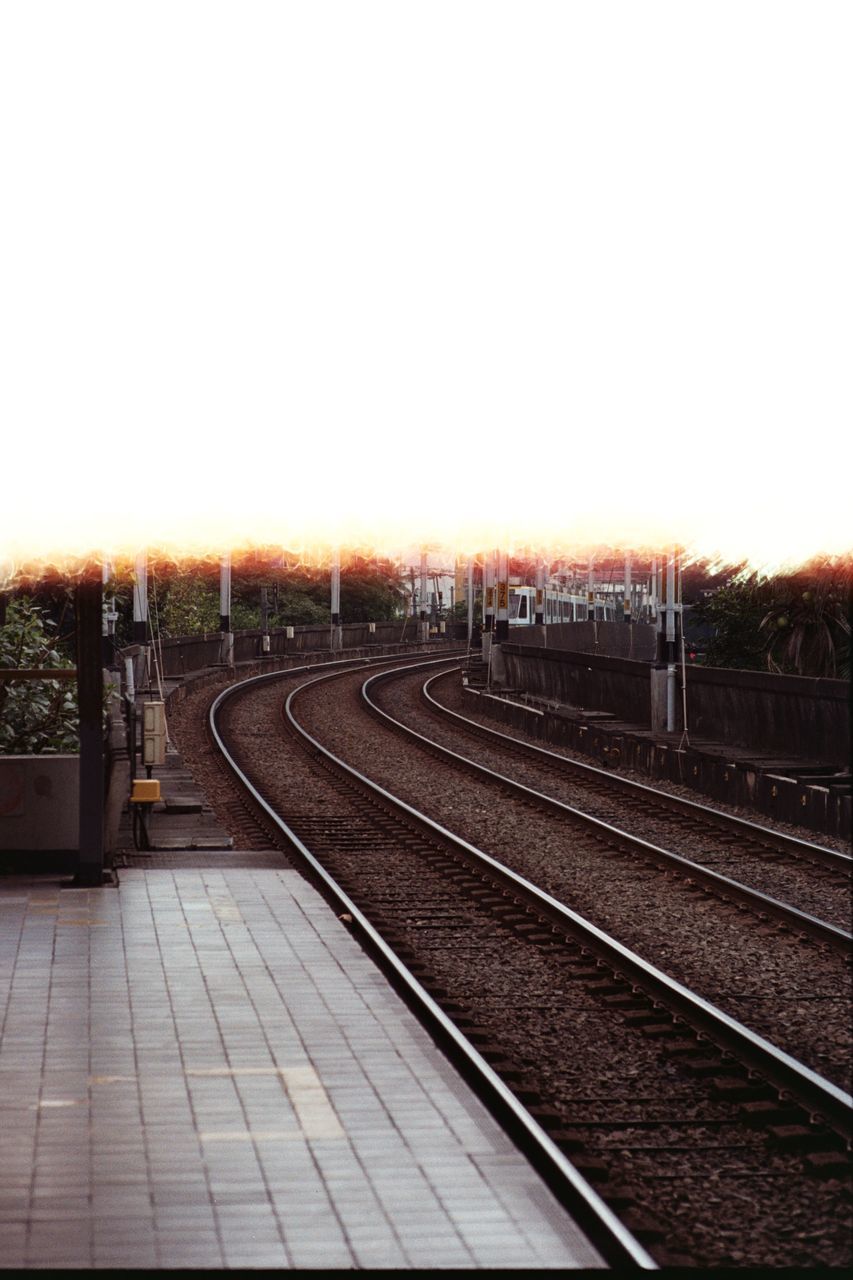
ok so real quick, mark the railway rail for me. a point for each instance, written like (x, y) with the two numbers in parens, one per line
(713, 1093)
(644, 799)
(549, 766)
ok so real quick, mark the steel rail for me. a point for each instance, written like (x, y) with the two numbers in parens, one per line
(611, 1237)
(761, 903)
(819, 1096)
(842, 862)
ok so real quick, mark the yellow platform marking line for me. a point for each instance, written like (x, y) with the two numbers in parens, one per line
(314, 1111)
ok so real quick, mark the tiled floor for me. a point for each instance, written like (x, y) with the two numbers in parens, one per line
(202, 1068)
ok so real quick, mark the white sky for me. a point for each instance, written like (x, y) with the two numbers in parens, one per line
(564, 272)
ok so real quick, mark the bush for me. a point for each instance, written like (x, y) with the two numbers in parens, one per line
(36, 716)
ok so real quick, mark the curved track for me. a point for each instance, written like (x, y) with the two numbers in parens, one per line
(666, 821)
(409, 878)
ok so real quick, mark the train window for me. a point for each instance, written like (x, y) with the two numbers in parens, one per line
(522, 607)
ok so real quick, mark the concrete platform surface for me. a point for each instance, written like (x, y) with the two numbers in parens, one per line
(201, 1068)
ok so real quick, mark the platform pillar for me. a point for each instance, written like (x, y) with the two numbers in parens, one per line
(90, 696)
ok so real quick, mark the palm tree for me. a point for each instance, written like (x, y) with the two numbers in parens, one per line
(807, 630)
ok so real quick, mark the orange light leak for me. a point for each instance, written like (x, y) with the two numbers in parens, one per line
(382, 275)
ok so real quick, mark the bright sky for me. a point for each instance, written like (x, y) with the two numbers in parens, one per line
(458, 271)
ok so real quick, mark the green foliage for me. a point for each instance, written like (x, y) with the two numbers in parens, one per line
(735, 613)
(36, 716)
(186, 602)
(793, 624)
(297, 609)
(805, 630)
(184, 605)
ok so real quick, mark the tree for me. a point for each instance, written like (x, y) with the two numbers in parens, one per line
(735, 613)
(36, 716)
(794, 624)
(806, 631)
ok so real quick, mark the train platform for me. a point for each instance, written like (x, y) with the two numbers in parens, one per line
(200, 1067)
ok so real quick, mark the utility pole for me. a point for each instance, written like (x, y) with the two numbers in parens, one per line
(336, 637)
(590, 590)
(108, 624)
(502, 628)
(666, 633)
(424, 620)
(225, 608)
(140, 599)
(489, 592)
(626, 588)
(540, 592)
(470, 586)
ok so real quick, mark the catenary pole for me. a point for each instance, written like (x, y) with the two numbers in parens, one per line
(225, 608)
(424, 619)
(140, 598)
(336, 600)
(502, 615)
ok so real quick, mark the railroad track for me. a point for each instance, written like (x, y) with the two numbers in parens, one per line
(249, 827)
(654, 1094)
(646, 803)
(632, 804)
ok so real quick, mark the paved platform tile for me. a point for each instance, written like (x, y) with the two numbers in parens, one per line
(203, 1068)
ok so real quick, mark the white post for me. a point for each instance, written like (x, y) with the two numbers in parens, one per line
(336, 635)
(225, 608)
(502, 615)
(423, 628)
(670, 641)
(140, 598)
(540, 591)
(489, 591)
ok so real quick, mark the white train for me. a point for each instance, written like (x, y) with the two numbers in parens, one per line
(560, 606)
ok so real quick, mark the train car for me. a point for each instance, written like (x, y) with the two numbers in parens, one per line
(560, 606)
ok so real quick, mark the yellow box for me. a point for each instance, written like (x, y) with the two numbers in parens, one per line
(145, 791)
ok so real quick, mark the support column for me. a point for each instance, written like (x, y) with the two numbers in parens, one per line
(489, 592)
(108, 625)
(626, 590)
(666, 636)
(140, 599)
(423, 624)
(90, 696)
(502, 615)
(540, 592)
(590, 590)
(227, 654)
(337, 635)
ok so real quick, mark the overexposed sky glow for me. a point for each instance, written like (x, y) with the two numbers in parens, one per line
(389, 272)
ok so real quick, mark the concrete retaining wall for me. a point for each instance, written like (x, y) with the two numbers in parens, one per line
(39, 802)
(792, 715)
(614, 639)
(184, 654)
(586, 680)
